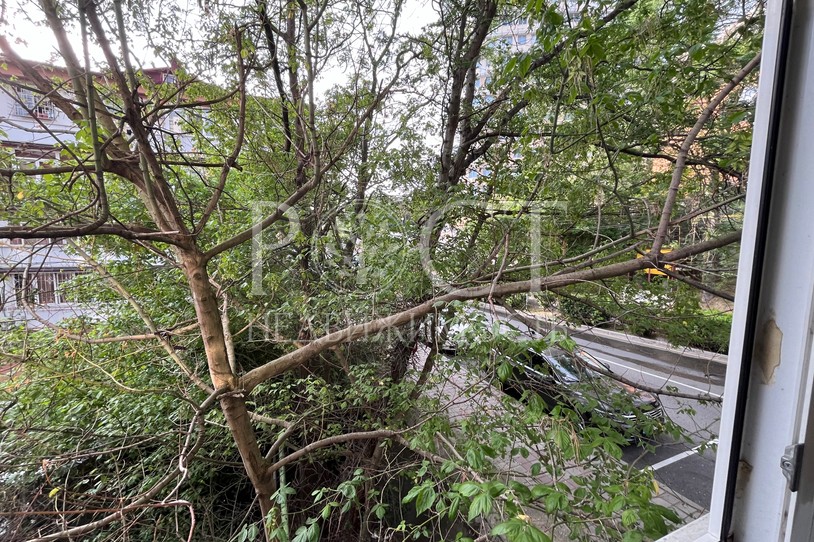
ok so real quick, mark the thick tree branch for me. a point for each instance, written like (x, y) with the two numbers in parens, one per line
(264, 224)
(301, 355)
(131, 232)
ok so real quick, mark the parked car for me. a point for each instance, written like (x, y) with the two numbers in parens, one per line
(574, 379)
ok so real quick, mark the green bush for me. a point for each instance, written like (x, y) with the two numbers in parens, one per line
(708, 330)
(661, 308)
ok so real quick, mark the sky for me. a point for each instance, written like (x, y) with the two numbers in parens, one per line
(36, 42)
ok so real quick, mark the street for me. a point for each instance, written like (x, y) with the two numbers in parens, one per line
(685, 466)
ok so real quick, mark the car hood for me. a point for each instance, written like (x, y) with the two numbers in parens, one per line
(607, 391)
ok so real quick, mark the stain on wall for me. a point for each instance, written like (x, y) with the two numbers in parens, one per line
(767, 349)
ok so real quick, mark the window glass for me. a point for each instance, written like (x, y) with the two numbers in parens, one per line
(32, 104)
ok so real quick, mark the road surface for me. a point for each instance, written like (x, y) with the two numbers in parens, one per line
(685, 466)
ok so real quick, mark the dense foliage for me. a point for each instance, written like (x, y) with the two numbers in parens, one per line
(389, 176)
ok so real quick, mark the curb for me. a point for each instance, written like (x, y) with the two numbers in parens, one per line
(710, 363)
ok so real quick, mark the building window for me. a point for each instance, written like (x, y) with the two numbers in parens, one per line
(30, 103)
(42, 288)
(170, 78)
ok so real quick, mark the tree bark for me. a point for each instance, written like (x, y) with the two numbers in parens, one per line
(232, 400)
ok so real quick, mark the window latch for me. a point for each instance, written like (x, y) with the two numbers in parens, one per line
(791, 463)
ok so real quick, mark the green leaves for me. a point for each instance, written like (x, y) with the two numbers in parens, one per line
(519, 529)
(551, 159)
(424, 500)
(248, 533)
(593, 48)
(481, 506)
(424, 496)
(379, 510)
(555, 501)
(629, 518)
(308, 532)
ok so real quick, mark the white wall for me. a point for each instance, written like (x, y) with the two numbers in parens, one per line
(19, 127)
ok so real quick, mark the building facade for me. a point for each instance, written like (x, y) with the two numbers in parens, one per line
(36, 275)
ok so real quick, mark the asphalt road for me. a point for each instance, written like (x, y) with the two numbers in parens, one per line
(685, 466)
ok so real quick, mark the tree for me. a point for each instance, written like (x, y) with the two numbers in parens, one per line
(373, 227)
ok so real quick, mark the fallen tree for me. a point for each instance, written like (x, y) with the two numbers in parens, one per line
(323, 219)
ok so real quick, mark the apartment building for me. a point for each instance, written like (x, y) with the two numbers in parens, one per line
(511, 37)
(35, 276)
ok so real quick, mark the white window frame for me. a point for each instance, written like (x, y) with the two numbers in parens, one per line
(770, 376)
(52, 281)
(31, 104)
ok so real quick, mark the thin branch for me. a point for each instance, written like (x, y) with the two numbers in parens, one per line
(697, 284)
(144, 500)
(330, 441)
(122, 338)
(670, 158)
(231, 160)
(145, 317)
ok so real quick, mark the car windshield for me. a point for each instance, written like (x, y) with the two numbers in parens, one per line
(568, 366)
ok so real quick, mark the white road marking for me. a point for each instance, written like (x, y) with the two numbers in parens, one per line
(661, 377)
(682, 455)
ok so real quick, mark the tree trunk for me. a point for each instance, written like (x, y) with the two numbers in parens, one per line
(232, 400)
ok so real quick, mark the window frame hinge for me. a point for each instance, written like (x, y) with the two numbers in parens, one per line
(791, 464)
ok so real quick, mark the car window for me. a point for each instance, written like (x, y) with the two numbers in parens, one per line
(569, 367)
(591, 361)
(533, 362)
(541, 366)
